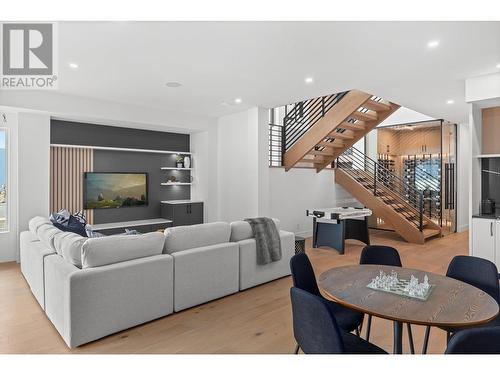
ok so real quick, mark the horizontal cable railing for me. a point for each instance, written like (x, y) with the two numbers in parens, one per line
(405, 199)
(304, 115)
(275, 155)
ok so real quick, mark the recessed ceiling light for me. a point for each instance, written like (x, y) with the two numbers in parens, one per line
(498, 66)
(173, 84)
(450, 101)
(73, 65)
(309, 80)
(433, 44)
(238, 100)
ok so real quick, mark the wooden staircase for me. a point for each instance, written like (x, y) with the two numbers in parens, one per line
(356, 114)
(390, 207)
(319, 131)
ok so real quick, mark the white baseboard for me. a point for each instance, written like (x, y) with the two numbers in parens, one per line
(305, 234)
(463, 228)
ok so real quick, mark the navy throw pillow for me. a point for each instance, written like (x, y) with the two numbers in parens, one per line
(73, 225)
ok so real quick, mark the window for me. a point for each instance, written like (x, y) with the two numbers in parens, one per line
(3, 180)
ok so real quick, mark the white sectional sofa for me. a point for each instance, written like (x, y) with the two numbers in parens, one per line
(205, 263)
(91, 288)
(250, 273)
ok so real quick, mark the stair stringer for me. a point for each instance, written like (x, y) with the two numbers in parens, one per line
(370, 125)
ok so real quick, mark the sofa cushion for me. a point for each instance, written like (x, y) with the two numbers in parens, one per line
(46, 234)
(241, 230)
(114, 249)
(193, 236)
(69, 246)
(72, 225)
(36, 222)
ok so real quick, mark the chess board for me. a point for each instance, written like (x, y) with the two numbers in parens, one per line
(398, 289)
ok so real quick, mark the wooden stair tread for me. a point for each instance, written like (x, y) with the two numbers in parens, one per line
(430, 232)
(331, 144)
(338, 135)
(357, 126)
(364, 116)
(316, 160)
(321, 153)
(376, 106)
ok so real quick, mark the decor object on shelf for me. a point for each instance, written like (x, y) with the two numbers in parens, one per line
(187, 162)
(409, 288)
(180, 161)
(172, 179)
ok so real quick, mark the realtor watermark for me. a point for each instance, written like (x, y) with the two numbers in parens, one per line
(29, 56)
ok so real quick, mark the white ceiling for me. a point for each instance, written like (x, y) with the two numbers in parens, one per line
(265, 63)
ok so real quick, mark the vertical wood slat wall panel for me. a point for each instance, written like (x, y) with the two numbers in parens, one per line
(66, 181)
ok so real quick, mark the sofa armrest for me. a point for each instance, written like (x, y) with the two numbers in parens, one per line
(252, 274)
(88, 304)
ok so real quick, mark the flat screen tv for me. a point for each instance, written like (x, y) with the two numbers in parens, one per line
(115, 190)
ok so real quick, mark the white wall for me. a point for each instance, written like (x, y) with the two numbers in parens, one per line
(463, 176)
(295, 191)
(404, 115)
(242, 169)
(482, 88)
(34, 166)
(204, 162)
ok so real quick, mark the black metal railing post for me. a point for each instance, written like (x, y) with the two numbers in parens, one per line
(322, 106)
(421, 212)
(375, 180)
(283, 143)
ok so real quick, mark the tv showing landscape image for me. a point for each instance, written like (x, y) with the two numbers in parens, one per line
(115, 190)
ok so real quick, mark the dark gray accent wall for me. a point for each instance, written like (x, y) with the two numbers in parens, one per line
(64, 132)
(76, 133)
(123, 161)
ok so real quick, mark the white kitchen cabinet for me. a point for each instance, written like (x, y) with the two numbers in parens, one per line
(484, 240)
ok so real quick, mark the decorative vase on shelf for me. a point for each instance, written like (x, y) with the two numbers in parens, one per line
(187, 162)
(180, 164)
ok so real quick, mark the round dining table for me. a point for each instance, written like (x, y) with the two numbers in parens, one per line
(451, 303)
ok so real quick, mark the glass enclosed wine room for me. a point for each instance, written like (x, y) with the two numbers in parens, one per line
(423, 156)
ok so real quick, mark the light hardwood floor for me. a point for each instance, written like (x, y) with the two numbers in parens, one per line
(254, 321)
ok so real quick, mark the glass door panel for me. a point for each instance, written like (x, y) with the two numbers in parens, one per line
(449, 177)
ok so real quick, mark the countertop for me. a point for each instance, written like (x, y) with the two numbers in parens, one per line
(489, 216)
(181, 201)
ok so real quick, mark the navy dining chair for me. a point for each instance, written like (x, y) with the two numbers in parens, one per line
(478, 272)
(481, 340)
(385, 256)
(303, 278)
(316, 330)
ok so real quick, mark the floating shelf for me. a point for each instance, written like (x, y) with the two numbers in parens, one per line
(123, 149)
(175, 183)
(176, 169)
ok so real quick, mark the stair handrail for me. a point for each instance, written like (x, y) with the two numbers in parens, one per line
(304, 115)
(376, 176)
(414, 197)
(377, 167)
